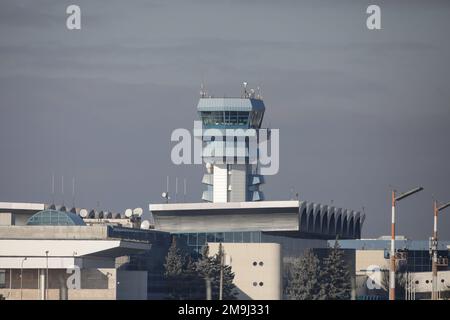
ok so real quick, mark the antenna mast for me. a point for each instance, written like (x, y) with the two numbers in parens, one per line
(62, 189)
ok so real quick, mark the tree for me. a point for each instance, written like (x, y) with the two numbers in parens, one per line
(174, 270)
(335, 276)
(209, 269)
(303, 279)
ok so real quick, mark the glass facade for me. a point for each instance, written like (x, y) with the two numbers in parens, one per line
(55, 218)
(225, 118)
(195, 241)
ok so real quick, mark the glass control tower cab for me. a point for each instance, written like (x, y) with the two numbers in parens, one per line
(230, 128)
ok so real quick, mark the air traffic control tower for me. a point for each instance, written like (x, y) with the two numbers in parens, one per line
(232, 173)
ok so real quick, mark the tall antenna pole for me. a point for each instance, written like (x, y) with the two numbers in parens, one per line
(62, 189)
(73, 192)
(176, 189)
(53, 188)
(184, 197)
(167, 189)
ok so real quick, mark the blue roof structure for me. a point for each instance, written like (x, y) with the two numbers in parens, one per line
(52, 217)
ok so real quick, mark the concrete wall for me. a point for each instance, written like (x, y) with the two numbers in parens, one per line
(6, 219)
(257, 269)
(54, 232)
(95, 284)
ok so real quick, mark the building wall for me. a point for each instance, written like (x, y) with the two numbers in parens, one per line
(238, 183)
(257, 269)
(220, 180)
(131, 285)
(6, 219)
(96, 284)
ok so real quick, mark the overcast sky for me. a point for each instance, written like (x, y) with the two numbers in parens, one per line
(358, 110)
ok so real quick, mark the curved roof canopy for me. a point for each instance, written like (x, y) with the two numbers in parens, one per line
(51, 217)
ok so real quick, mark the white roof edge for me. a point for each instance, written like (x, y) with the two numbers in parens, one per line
(225, 205)
(21, 206)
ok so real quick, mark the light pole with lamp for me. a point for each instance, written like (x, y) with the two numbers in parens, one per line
(434, 249)
(392, 254)
(46, 277)
(21, 277)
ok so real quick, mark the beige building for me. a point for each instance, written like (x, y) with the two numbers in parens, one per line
(257, 269)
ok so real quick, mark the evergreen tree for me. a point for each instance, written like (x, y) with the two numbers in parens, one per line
(209, 269)
(174, 271)
(335, 276)
(304, 276)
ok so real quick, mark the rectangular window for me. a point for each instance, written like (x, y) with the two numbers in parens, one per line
(256, 237)
(228, 237)
(192, 239)
(210, 237)
(2, 278)
(201, 239)
(219, 237)
(237, 237)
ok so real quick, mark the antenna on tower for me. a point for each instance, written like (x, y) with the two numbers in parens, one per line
(176, 189)
(203, 92)
(165, 194)
(62, 189)
(73, 192)
(184, 191)
(53, 188)
(245, 89)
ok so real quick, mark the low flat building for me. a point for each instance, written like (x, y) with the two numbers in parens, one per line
(55, 255)
(371, 258)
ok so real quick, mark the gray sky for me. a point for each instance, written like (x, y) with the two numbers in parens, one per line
(357, 110)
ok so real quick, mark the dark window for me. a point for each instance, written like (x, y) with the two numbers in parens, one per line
(2, 279)
(228, 237)
(201, 239)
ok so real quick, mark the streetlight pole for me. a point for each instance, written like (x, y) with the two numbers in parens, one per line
(21, 277)
(434, 248)
(46, 278)
(392, 254)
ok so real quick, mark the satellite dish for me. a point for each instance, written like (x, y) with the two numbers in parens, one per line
(138, 212)
(209, 167)
(83, 213)
(164, 195)
(145, 225)
(128, 213)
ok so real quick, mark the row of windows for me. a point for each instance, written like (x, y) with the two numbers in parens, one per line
(197, 240)
(225, 118)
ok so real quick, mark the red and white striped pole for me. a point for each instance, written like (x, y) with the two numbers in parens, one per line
(392, 255)
(434, 293)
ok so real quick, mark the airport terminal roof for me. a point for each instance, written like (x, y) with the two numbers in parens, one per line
(230, 104)
(51, 217)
